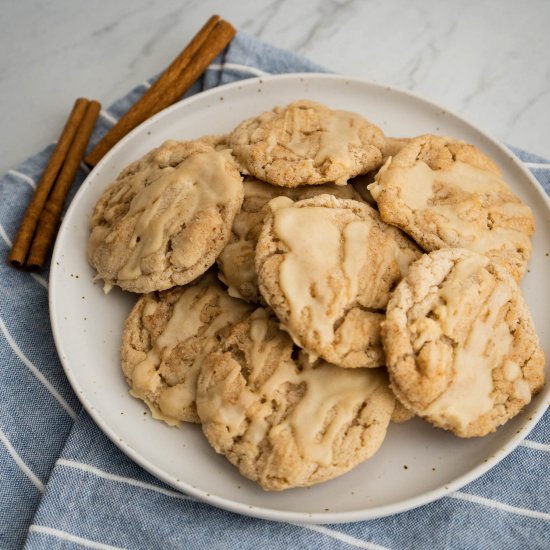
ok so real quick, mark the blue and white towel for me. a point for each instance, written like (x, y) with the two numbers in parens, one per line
(63, 484)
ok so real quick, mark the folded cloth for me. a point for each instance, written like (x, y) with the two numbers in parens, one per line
(63, 484)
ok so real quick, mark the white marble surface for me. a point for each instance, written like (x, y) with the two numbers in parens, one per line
(488, 60)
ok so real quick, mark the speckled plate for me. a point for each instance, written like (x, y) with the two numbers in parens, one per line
(416, 464)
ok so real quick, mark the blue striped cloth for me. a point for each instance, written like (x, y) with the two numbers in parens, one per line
(63, 484)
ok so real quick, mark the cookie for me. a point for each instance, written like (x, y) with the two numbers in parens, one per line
(166, 218)
(327, 266)
(220, 142)
(400, 413)
(361, 183)
(392, 146)
(445, 193)
(282, 421)
(165, 340)
(460, 344)
(236, 261)
(307, 143)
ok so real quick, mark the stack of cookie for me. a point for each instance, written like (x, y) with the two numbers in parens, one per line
(294, 314)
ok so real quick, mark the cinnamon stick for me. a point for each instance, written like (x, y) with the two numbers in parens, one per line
(28, 225)
(205, 46)
(51, 213)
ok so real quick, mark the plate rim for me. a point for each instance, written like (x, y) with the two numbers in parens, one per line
(263, 512)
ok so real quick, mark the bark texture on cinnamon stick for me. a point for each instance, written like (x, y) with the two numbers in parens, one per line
(23, 239)
(205, 46)
(51, 213)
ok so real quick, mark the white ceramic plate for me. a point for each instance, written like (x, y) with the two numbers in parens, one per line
(416, 463)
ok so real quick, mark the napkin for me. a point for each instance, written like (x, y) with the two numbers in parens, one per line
(63, 484)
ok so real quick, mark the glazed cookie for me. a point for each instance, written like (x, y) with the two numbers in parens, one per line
(307, 143)
(327, 266)
(282, 421)
(460, 345)
(446, 193)
(166, 218)
(165, 339)
(236, 261)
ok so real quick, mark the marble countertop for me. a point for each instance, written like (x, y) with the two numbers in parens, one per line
(486, 60)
